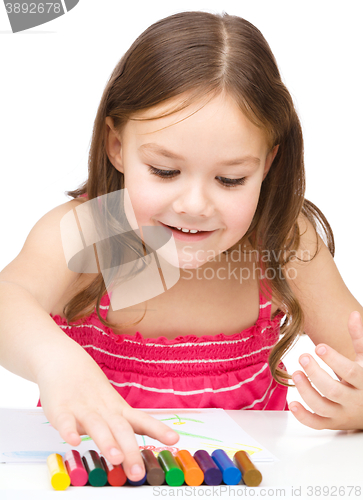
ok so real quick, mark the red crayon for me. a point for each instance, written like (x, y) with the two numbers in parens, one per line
(115, 474)
(75, 468)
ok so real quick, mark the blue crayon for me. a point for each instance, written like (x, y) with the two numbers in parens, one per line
(212, 473)
(231, 474)
(137, 483)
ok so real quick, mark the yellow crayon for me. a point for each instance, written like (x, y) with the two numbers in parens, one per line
(59, 477)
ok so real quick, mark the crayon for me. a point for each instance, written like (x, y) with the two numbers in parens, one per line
(193, 475)
(231, 474)
(75, 468)
(97, 475)
(212, 473)
(155, 475)
(250, 475)
(115, 474)
(174, 476)
(59, 477)
(139, 482)
(97, 470)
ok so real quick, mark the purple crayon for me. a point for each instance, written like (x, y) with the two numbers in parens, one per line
(212, 474)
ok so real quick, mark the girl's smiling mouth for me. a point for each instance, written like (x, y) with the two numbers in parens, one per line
(188, 236)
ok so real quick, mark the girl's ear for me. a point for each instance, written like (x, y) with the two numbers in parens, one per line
(269, 160)
(113, 145)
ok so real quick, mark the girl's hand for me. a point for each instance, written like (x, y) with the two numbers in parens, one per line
(341, 404)
(77, 399)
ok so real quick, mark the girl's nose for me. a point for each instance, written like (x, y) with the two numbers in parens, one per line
(194, 200)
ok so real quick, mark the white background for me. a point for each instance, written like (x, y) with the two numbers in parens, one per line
(52, 78)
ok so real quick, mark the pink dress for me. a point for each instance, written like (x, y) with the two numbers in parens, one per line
(219, 371)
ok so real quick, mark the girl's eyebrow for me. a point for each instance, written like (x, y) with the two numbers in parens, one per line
(162, 151)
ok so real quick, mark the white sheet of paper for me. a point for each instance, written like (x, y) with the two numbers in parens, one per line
(27, 437)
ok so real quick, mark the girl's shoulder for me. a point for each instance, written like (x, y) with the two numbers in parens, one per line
(41, 267)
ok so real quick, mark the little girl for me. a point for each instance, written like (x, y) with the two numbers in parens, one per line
(196, 127)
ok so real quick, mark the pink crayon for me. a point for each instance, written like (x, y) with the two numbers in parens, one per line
(75, 468)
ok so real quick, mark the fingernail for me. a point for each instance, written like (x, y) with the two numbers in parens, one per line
(114, 452)
(304, 361)
(136, 470)
(321, 350)
(297, 378)
(293, 408)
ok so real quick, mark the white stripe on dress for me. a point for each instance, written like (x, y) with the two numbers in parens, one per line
(262, 306)
(258, 400)
(273, 390)
(175, 361)
(189, 393)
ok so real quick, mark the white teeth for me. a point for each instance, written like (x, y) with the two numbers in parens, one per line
(188, 230)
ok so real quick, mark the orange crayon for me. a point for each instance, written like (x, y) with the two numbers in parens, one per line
(193, 475)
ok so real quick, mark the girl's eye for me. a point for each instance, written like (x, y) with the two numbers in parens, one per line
(164, 174)
(169, 174)
(232, 182)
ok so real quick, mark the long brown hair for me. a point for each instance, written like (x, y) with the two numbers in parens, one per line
(198, 54)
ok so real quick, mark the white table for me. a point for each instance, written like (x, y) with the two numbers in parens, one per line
(308, 459)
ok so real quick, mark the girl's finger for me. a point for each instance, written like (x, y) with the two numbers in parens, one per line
(124, 434)
(98, 429)
(326, 385)
(319, 404)
(355, 327)
(66, 425)
(143, 423)
(310, 419)
(345, 368)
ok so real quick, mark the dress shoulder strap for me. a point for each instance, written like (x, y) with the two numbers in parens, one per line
(265, 298)
(104, 305)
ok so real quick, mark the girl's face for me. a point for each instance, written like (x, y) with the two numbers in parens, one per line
(200, 168)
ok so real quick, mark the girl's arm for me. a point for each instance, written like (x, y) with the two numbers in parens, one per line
(76, 395)
(333, 321)
(31, 285)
